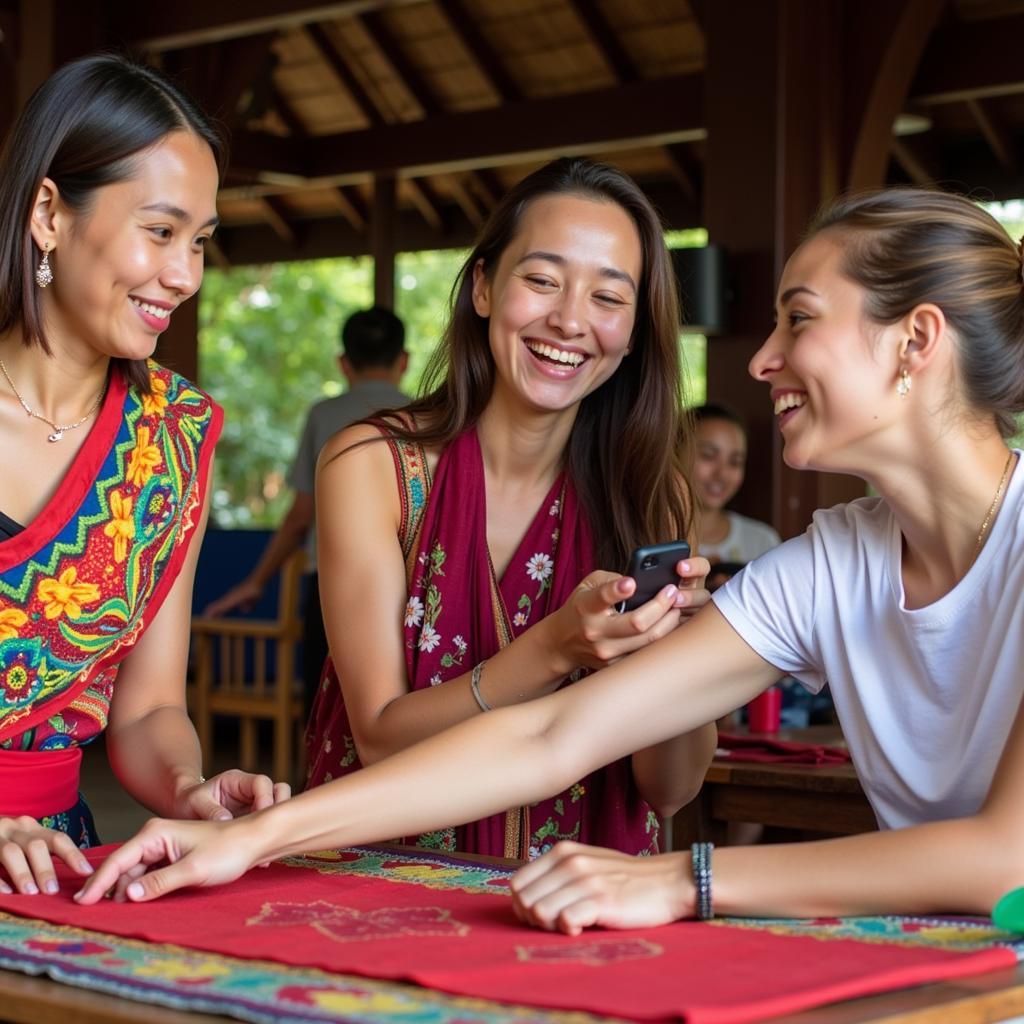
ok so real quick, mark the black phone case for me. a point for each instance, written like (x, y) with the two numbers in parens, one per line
(653, 567)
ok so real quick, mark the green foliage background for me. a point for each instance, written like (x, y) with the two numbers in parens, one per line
(268, 348)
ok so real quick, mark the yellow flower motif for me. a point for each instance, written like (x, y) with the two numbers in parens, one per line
(65, 595)
(122, 526)
(156, 401)
(174, 969)
(11, 620)
(145, 458)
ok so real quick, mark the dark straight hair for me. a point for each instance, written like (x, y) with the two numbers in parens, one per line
(84, 128)
(630, 443)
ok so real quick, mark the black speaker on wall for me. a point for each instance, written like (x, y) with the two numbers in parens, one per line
(704, 290)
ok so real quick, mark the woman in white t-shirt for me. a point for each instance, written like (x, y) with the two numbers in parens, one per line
(898, 356)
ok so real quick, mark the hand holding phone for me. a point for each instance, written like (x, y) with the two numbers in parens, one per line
(653, 567)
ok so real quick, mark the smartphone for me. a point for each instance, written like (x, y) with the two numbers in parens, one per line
(653, 567)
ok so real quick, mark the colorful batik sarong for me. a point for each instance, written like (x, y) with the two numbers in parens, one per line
(80, 584)
(457, 614)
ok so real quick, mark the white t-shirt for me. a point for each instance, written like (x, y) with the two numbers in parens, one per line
(926, 697)
(746, 540)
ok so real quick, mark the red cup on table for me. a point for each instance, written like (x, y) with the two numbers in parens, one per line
(764, 712)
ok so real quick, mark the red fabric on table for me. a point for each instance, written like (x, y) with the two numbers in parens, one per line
(764, 750)
(425, 919)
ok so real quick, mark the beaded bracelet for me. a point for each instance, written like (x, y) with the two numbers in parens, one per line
(474, 685)
(700, 860)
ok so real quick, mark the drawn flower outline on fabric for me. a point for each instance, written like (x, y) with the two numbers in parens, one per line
(413, 611)
(144, 459)
(122, 526)
(429, 638)
(11, 620)
(65, 595)
(540, 567)
(435, 679)
(155, 402)
(520, 619)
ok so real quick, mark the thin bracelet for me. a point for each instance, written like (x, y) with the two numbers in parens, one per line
(474, 685)
(700, 860)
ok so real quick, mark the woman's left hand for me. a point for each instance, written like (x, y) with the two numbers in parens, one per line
(228, 795)
(693, 576)
(575, 887)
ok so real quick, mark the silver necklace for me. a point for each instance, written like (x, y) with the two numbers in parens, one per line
(59, 430)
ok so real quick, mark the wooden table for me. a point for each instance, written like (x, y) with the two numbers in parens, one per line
(804, 800)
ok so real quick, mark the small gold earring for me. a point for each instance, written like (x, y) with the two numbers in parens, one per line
(903, 384)
(44, 273)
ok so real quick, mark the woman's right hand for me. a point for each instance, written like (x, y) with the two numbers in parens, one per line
(166, 855)
(27, 850)
(587, 631)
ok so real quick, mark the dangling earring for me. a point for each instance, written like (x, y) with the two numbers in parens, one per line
(44, 275)
(903, 384)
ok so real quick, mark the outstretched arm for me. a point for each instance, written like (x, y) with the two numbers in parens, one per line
(492, 761)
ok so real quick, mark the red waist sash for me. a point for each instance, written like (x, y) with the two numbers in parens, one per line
(38, 782)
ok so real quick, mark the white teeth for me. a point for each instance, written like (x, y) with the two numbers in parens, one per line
(559, 355)
(790, 400)
(158, 311)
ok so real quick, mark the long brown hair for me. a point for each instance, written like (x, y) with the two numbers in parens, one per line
(84, 127)
(628, 447)
(907, 246)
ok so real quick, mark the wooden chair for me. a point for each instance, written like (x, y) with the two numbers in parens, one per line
(247, 668)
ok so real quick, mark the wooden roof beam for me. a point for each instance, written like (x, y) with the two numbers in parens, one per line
(996, 135)
(488, 60)
(970, 60)
(605, 39)
(916, 164)
(424, 199)
(468, 202)
(276, 215)
(352, 207)
(284, 110)
(324, 45)
(414, 83)
(650, 112)
(153, 28)
(486, 186)
(685, 169)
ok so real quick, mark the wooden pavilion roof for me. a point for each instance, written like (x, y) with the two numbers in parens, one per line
(457, 99)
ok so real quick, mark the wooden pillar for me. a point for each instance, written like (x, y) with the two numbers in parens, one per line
(784, 136)
(178, 346)
(382, 240)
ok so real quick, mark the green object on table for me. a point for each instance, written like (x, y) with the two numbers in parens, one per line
(1008, 913)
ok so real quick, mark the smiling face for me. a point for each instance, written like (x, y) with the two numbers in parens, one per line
(126, 262)
(721, 457)
(832, 371)
(561, 301)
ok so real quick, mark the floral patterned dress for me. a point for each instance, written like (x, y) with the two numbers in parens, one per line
(459, 613)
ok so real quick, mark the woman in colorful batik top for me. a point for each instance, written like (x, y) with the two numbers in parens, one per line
(468, 549)
(107, 195)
